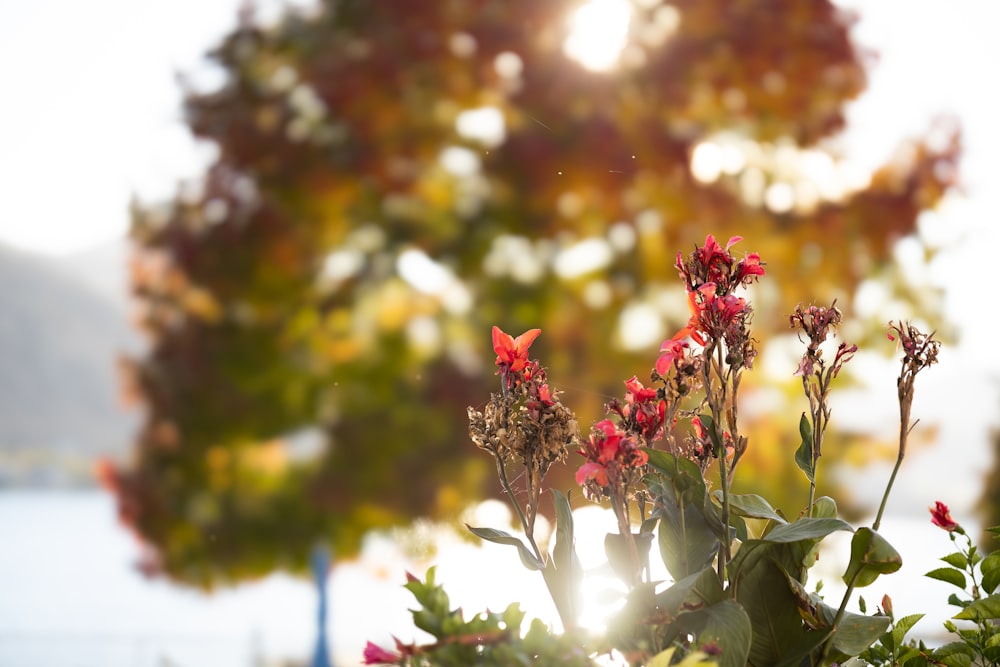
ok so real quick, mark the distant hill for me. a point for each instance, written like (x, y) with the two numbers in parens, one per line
(61, 331)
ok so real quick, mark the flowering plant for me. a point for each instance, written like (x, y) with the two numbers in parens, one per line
(663, 460)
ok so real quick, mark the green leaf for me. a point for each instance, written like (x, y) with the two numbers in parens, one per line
(956, 559)
(689, 529)
(617, 551)
(795, 655)
(727, 624)
(752, 506)
(693, 592)
(563, 573)
(757, 575)
(564, 551)
(986, 609)
(709, 425)
(948, 574)
(902, 626)
(665, 658)
(806, 529)
(957, 601)
(953, 654)
(852, 635)
(825, 507)
(871, 556)
(990, 568)
(500, 537)
(673, 466)
(804, 454)
(855, 633)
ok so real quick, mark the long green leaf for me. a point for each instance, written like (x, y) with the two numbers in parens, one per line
(757, 575)
(563, 573)
(528, 559)
(686, 539)
(752, 506)
(806, 529)
(564, 551)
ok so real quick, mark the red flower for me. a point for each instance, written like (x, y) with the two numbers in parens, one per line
(376, 655)
(512, 353)
(608, 451)
(941, 516)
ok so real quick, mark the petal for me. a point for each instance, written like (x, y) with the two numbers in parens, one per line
(663, 364)
(607, 427)
(733, 240)
(524, 341)
(503, 344)
(587, 472)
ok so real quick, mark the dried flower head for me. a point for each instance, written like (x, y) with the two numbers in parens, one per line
(919, 349)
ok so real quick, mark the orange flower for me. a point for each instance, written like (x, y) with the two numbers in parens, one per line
(512, 353)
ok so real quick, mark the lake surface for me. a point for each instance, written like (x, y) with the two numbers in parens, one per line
(70, 595)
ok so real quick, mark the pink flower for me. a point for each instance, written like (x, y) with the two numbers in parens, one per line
(941, 516)
(512, 353)
(643, 414)
(711, 263)
(749, 268)
(671, 351)
(636, 393)
(376, 655)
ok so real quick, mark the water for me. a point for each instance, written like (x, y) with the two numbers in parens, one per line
(70, 595)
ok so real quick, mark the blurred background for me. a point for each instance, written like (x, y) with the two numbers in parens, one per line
(250, 254)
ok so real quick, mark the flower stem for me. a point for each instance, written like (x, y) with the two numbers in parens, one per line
(904, 432)
(840, 615)
(502, 473)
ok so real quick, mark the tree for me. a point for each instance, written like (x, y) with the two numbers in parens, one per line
(392, 178)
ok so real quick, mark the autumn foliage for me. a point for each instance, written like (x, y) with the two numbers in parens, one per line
(327, 279)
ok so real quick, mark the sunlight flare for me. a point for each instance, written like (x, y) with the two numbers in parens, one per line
(598, 33)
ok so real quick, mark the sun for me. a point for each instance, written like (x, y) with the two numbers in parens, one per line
(598, 31)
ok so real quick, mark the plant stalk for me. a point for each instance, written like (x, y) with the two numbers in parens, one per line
(904, 432)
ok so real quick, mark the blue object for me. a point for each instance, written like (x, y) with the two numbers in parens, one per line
(320, 560)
